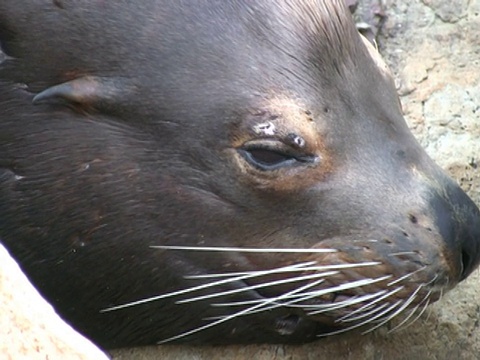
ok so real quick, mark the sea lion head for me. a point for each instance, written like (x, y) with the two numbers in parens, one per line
(218, 172)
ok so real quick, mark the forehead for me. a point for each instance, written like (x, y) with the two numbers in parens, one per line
(306, 33)
(229, 48)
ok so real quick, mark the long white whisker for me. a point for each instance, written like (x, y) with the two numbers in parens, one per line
(346, 286)
(276, 304)
(348, 317)
(381, 314)
(432, 280)
(398, 311)
(317, 293)
(293, 303)
(363, 322)
(419, 314)
(345, 303)
(312, 268)
(205, 286)
(258, 286)
(405, 276)
(440, 297)
(243, 250)
(410, 314)
(301, 267)
(403, 253)
(240, 303)
(229, 317)
(341, 287)
(369, 311)
(425, 299)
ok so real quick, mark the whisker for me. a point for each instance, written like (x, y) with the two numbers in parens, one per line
(204, 286)
(337, 288)
(368, 306)
(306, 266)
(396, 312)
(387, 313)
(311, 268)
(239, 303)
(239, 249)
(432, 281)
(361, 323)
(346, 286)
(258, 286)
(441, 292)
(229, 317)
(345, 303)
(406, 276)
(369, 311)
(419, 314)
(317, 293)
(276, 303)
(246, 273)
(412, 312)
(403, 253)
(381, 314)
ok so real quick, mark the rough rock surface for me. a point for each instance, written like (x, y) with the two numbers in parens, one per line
(433, 49)
(29, 327)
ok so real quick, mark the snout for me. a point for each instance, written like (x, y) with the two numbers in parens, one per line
(401, 266)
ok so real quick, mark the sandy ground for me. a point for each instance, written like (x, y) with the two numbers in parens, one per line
(433, 49)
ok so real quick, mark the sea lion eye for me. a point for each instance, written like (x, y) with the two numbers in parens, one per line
(266, 157)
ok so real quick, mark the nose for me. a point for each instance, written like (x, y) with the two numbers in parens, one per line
(458, 222)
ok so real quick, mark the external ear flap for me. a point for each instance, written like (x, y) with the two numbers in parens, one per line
(87, 92)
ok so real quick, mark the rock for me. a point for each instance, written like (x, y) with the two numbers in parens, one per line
(29, 327)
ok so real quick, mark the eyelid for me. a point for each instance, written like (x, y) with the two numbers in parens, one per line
(263, 165)
(268, 155)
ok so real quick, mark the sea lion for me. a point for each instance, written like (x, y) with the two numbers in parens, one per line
(217, 172)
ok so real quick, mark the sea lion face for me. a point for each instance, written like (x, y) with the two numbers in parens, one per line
(225, 172)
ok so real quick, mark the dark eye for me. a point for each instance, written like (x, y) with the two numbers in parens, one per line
(266, 159)
(272, 159)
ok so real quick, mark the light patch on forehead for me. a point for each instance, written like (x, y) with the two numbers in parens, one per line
(266, 128)
(287, 115)
(281, 117)
(288, 109)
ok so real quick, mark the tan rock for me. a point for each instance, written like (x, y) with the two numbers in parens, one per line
(29, 327)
